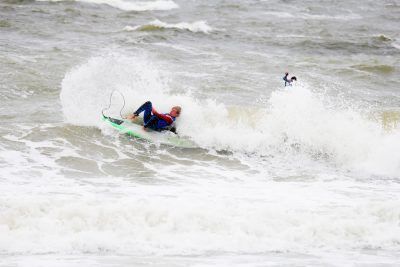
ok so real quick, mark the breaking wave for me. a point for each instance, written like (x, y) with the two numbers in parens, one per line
(295, 120)
(198, 26)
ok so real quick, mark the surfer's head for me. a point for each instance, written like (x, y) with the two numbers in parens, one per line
(293, 78)
(175, 111)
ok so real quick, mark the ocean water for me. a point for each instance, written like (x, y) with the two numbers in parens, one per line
(307, 175)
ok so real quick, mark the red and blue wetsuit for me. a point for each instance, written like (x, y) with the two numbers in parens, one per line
(154, 120)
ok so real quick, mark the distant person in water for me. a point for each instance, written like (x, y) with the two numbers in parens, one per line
(154, 120)
(288, 82)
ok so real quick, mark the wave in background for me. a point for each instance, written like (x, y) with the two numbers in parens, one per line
(197, 26)
(295, 120)
(128, 5)
(344, 17)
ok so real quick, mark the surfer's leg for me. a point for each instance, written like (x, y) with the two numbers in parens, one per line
(146, 107)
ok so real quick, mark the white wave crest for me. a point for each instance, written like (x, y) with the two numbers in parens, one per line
(86, 88)
(280, 14)
(346, 135)
(197, 26)
(344, 17)
(396, 45)
(129, 6)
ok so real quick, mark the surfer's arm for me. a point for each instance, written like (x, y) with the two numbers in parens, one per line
(167, 118)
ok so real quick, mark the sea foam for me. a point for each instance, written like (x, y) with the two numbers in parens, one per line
(198, 219)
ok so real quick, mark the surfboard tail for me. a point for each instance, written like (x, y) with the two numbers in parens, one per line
(116, 121)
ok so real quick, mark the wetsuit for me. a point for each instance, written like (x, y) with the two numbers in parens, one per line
(287, 81)
(154, 120)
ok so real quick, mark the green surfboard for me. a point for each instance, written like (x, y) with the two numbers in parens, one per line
(136, 130)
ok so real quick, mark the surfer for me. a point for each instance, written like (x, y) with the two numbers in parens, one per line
(154, 120)
(287, 81)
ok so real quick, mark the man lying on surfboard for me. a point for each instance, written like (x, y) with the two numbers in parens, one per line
(154, 120)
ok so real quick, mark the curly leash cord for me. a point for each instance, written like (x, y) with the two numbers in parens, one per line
(109, 105)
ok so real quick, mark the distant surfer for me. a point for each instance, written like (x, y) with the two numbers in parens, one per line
(288, 82)
(154, 120)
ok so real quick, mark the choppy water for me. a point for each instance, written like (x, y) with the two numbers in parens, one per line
(300, 176)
